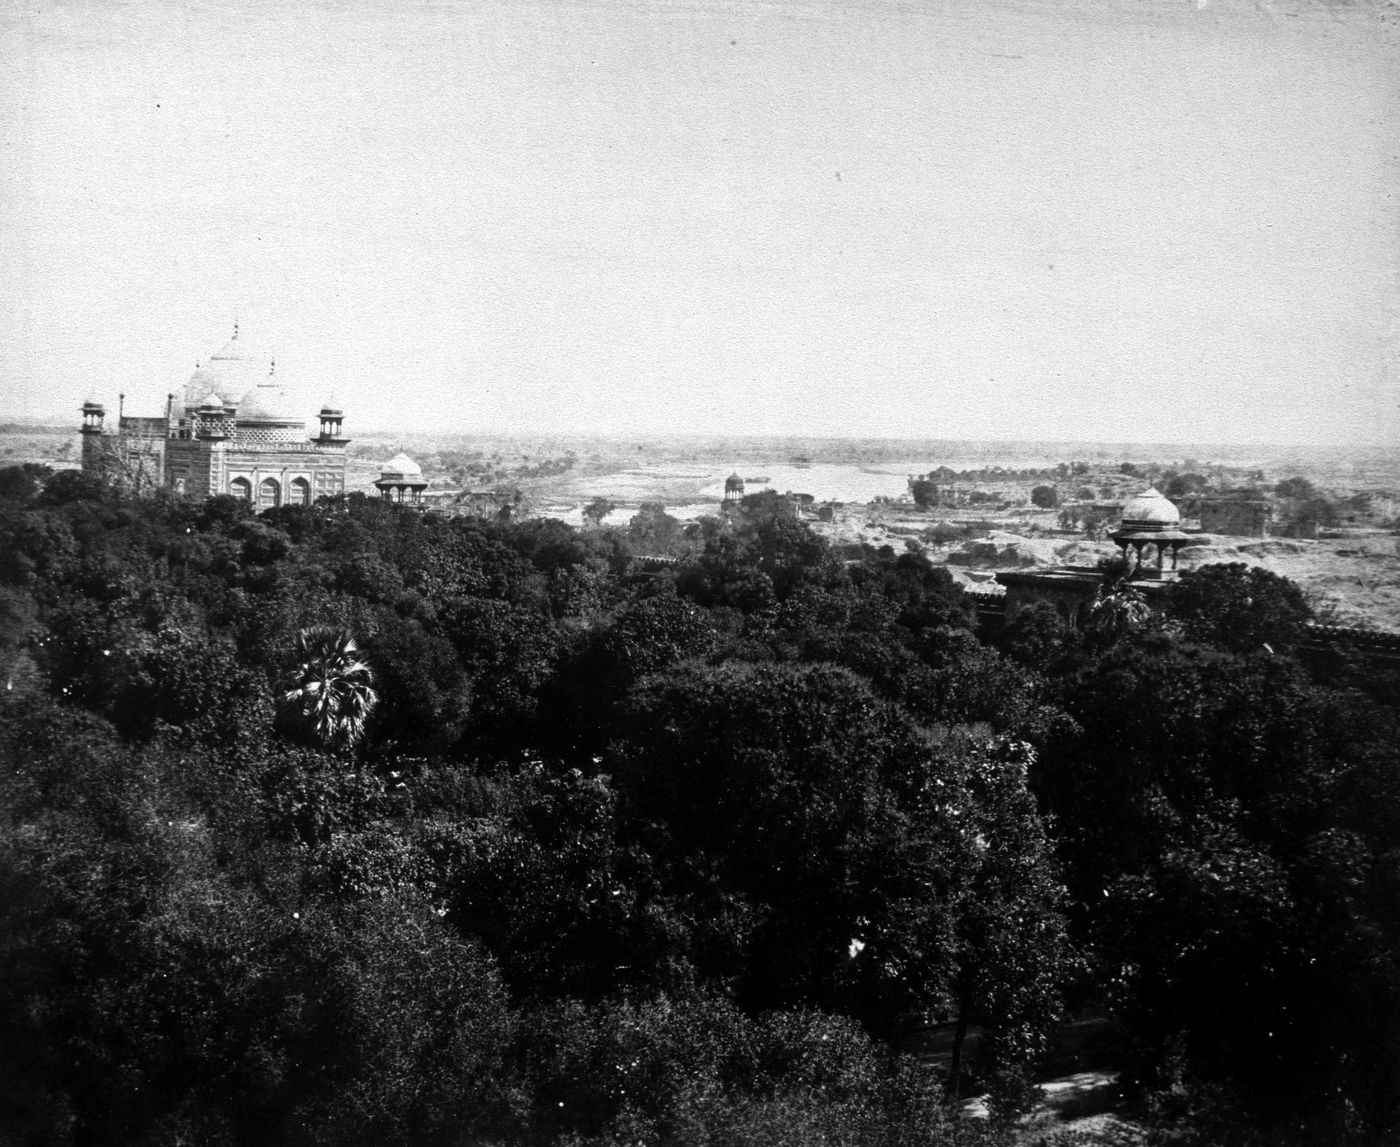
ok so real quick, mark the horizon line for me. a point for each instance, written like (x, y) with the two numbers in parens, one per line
(40, 422)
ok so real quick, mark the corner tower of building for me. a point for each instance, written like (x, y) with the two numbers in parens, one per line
(94, 431)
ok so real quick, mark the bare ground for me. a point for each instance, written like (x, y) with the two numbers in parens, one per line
(1351, 580)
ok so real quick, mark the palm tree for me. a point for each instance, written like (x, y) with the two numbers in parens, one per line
(1120, 611)
(328, 692)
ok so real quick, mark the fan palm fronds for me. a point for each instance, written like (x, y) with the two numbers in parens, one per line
(328, 693)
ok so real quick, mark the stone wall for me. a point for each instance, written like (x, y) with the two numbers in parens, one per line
(1236, 519)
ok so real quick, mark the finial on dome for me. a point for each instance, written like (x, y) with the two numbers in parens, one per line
(235, 328)
(273, 369)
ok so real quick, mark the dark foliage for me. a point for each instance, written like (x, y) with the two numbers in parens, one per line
(1240, 607)
(632, 854)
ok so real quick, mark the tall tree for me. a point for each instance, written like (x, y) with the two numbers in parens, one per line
(1238, 607)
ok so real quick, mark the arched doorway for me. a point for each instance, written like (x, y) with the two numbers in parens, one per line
(241, 488)
(300, 493)
(269, 494)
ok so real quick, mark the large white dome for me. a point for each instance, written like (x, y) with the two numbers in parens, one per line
(268, 402)
(230, 373)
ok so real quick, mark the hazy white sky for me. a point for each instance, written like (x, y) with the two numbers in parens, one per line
(1112, 219)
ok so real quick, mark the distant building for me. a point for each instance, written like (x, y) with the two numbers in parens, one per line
(1240, 519)
(769, 503)
(402, 481)
(1149, 523)
(1304, 524)
(234, 430)
(1072, 590)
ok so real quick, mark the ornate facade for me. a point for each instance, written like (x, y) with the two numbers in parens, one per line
(234, 430)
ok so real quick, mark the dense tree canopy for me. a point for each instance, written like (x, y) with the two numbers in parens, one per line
(345, 823)
(1240, 607)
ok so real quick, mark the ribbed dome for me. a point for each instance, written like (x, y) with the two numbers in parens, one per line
(1150, 511)
(401, 468)
(734, 482)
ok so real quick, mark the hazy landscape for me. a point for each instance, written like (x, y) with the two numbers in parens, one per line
(1352, 571)
(700, 573)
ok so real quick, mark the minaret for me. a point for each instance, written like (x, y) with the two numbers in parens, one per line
(330, 417)
(94, 459)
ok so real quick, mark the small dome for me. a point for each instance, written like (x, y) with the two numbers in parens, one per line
(212, 401)
(92, 402)
(331, 406)
(734, 482)
(1150, 510)
(401, 468)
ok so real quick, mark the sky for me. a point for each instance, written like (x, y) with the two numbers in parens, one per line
(1114, 220)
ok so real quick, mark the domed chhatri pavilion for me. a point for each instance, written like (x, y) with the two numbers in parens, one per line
(733, 489)
(1149, 520)
(402, 480)
(235, 429)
